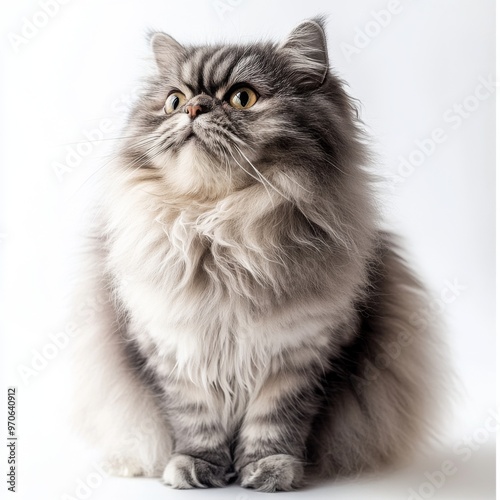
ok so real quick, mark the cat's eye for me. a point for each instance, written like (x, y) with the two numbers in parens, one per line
(243, 98)
(174, 101)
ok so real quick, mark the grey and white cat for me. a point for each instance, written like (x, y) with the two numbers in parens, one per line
(257, 323)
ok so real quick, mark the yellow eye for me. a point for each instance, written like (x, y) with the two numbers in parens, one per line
(174, 101)
(243, 98)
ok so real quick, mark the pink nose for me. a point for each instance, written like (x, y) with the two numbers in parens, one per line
(193, 110)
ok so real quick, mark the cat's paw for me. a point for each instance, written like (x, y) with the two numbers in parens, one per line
(123, 467)
(273, 473)
(184, 471)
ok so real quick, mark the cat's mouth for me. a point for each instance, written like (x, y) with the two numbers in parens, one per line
(188, 135)
(191, 135)
(184, 139)
(196, 136)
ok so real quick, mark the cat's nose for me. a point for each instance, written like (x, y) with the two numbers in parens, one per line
(199, 104)
(193, 110)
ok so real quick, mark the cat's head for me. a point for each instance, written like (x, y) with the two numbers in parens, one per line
(218, 118)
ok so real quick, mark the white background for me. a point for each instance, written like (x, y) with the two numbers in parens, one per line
(83, 65)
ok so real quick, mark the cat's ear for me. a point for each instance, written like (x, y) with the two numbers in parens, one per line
(306, 45)
(166, 49)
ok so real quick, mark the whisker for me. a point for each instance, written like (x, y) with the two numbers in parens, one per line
(335, 166)
(113, 158)
(261, 175)
(296, 182)
(253, 176)
(97, 140)
(153, 152)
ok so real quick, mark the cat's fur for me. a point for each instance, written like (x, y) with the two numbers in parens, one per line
(256, 321)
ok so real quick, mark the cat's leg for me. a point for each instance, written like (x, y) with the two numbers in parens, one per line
(112, 409)
(115, 410)
(386, 389)
(270, 454)
(201, 456)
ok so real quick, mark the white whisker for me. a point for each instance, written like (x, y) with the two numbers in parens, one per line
(253, 176)
(261, 176)
(295, 182)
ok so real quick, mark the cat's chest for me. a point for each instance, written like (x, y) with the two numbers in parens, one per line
(183, 269)
(168, 275)
(187, 286)
(159, 253)
(214, 339)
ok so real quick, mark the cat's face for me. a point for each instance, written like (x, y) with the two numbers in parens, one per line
(217, 117)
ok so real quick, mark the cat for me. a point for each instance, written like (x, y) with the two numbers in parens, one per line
(257, 324)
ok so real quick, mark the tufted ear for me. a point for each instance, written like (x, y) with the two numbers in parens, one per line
(306, 45)
(165, 49)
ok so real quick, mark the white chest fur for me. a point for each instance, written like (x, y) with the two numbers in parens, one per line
(199, 289)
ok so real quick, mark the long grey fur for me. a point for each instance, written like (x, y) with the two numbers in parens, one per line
(256, 323)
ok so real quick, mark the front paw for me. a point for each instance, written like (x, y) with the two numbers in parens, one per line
(184, 472)
(126, 466)
(273, 473)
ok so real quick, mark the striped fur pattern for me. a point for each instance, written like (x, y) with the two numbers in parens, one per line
(249, 293)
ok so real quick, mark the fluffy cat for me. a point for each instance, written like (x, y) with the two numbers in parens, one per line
(255, 323)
